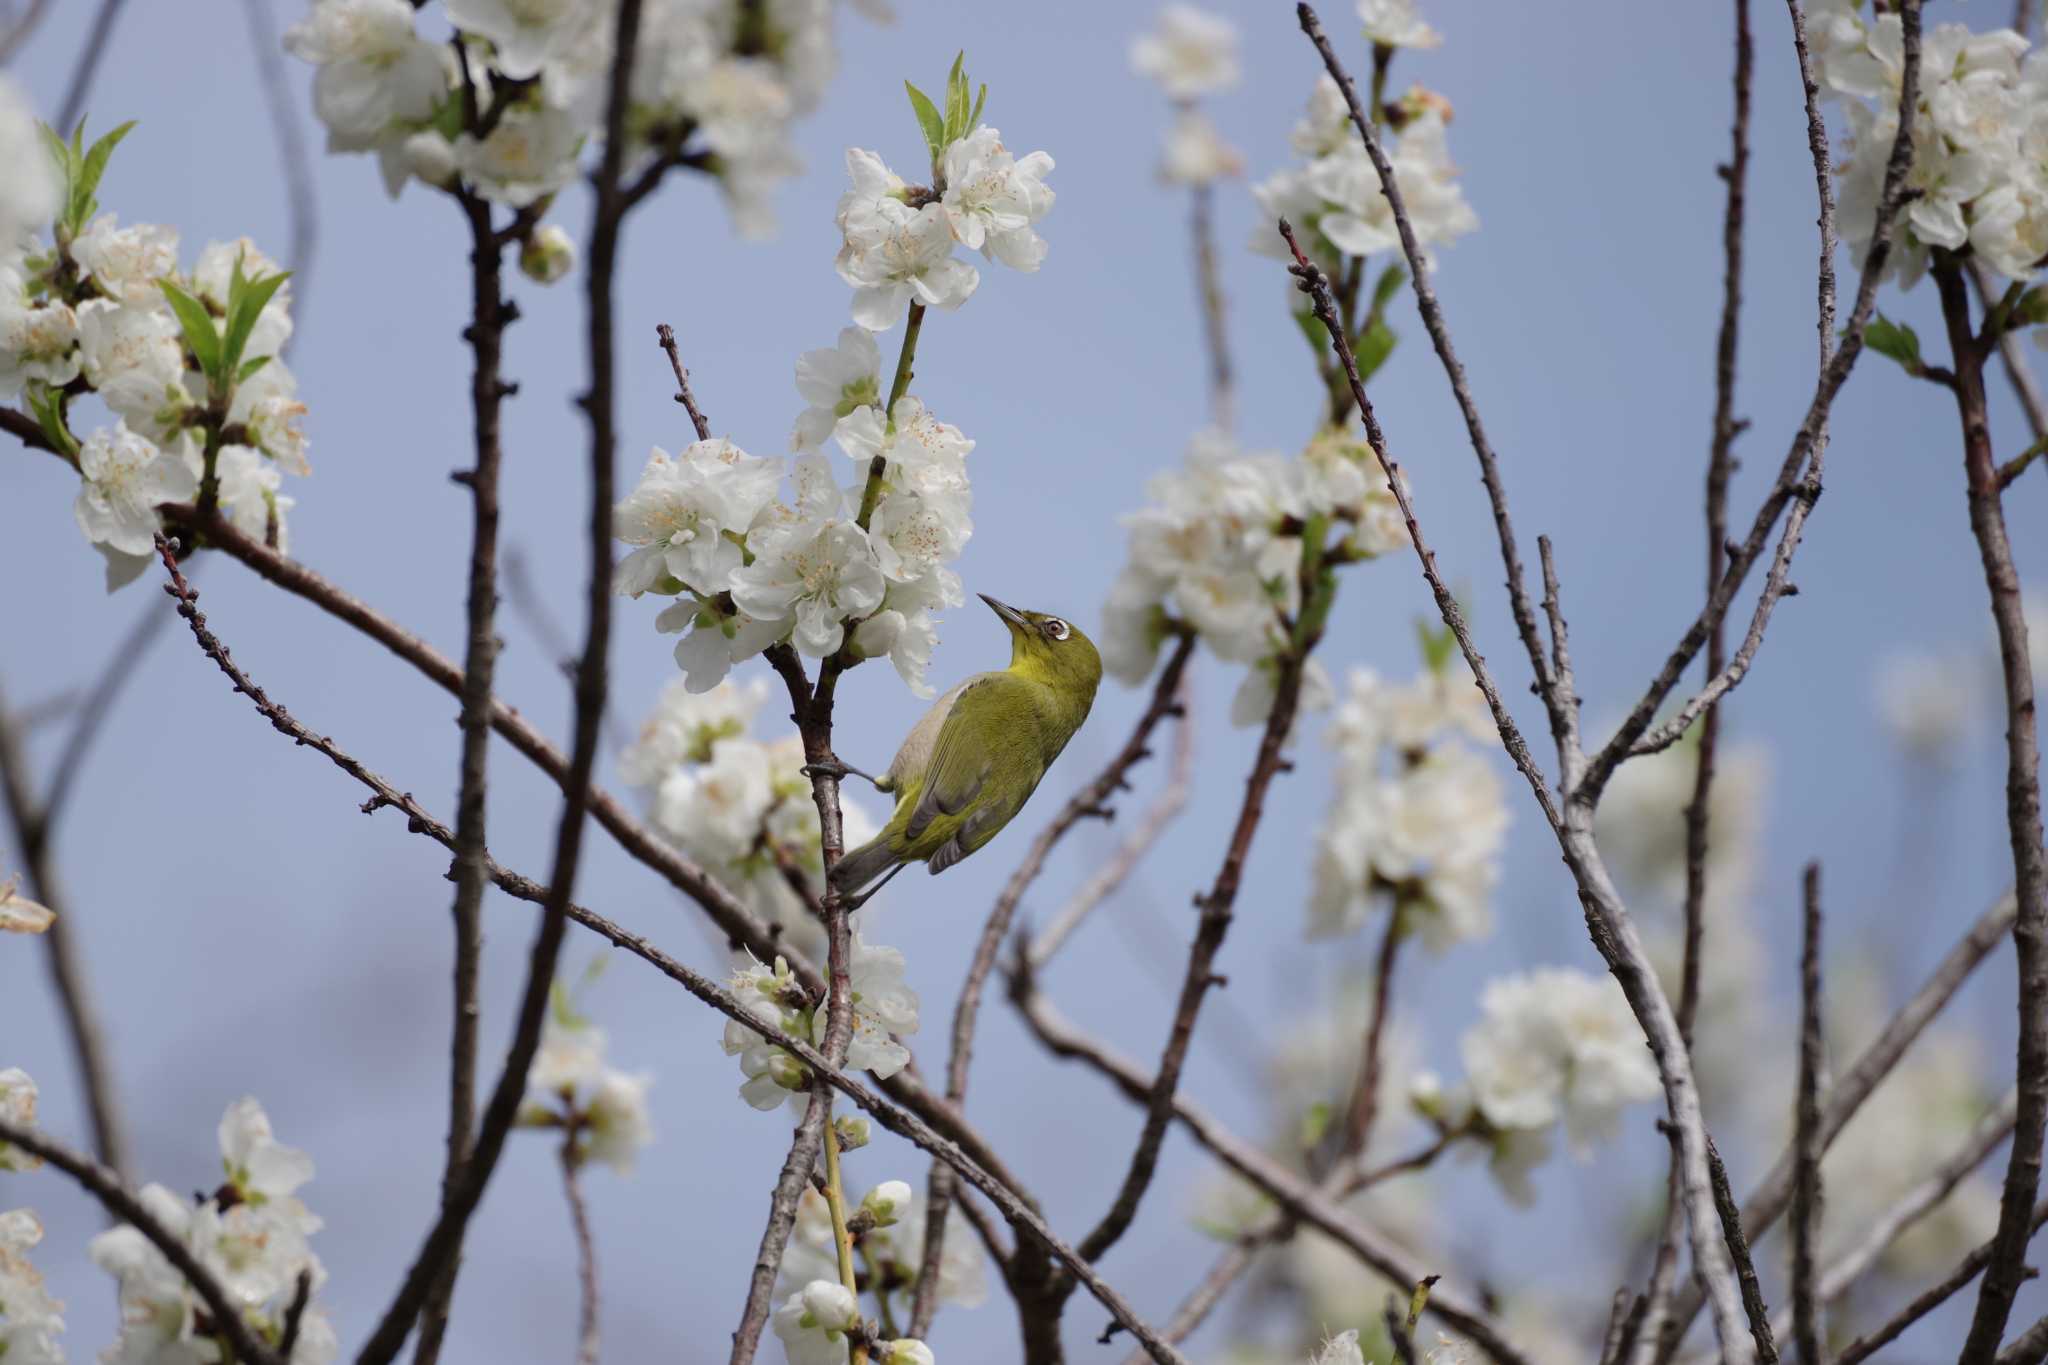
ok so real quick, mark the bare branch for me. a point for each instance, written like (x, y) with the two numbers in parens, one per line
(1806, 1146)
(1296, 1196)
(1209, 289)
(1745, 1268)
(587, 1336)
(1454, 370)
(97, 40)
(1846, 1097)
(1929, 1299)
(2007, 1269)
(444, 1242)
(82, 1021)
(2018, 372)
(666, 335)
(122, 1203)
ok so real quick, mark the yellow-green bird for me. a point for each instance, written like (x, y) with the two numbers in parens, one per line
(971, 763)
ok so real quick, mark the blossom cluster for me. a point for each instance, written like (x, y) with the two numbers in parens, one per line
(511, 105)
(883, 1006)
(30, 1320)
(1333, 195)
(1553, 1045)
(1219, 551)
(740, 806)
(1980, 136)
(569, 1087)
(188, 364)
(891, 1219)
(1190, 53)
(251, 1233)
(1417, 818)
(860, 567)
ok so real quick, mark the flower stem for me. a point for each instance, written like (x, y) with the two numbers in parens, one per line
(835, 1200)
(900, 385)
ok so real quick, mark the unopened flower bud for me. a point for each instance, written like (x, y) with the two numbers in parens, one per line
(548, 255)
(429, 157)
(853, 1131)
(830, 1305)
(906, 1352)
(886, 1200)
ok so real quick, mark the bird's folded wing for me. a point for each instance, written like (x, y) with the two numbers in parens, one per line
(961, 763)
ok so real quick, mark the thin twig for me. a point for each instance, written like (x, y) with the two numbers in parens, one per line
(122, 1203)
(1745, 1268)
(490, 314)
(1454, 370)
(83, 1024)
(1845, 1098)
(295, 1313)
(667, 337)
(2018, 372)
(300, 200)
(586, 1254)
(1929, 1299)
(1365, 1095)
(1296, 1196)
(1104, 881)
(2007, 1269)
(445, 1241)
(19, 32)
(1806, 1180)
(97, 40)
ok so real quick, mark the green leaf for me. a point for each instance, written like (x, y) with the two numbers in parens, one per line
(86, 188)
(1389, 284)
(928, 119)
(1314, 1124)
(2031, 310)
(1439, 645)
(980, 102)
(48, 406)
(250, 367)
(1373, 348)
(197, 324)
(246, 299)
(956, 101)
(1894, 340)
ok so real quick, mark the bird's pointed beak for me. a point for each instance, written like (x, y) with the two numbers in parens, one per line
(1012, 618)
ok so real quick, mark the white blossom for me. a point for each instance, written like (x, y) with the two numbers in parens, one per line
(29, 187)
(684, 726)
(38, 341)
(836, 382)
(813, 1323)
(134, 359)
(896, 1250)
(882, 1005)
(822, 572)
(992, 199)
(249, 496)
(719, 807)
(377, 77)
(685, 513)
(903, 256)
(1394, 23)
(30, 1319)
(1341, 1349)
(126, 263)
(19, 914)
(530, 154)
(548, 255)
(1196, 153)
(18, 1107)
(616, 1123)
(124, 479)
(773, 1074)
(1188, 51)
(267, 406)
(1557, 1044)
(525, 33)
(906, 1351)
(570, 1086)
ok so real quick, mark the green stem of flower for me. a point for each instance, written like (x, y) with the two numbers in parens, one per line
(835, 1200)
(900, 385)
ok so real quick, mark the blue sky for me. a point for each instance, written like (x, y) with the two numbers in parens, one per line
(251, 933)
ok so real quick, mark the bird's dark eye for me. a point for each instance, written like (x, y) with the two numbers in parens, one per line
(1057, 629)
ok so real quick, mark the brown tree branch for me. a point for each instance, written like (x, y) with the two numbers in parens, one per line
(2007, 1268)
(444, 1242)
(490, 314)
(83, 1024)
(122, 1202)
(1807, 1329)
(1971, 1266)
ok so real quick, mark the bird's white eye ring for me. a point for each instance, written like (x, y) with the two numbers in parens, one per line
(1057, 629)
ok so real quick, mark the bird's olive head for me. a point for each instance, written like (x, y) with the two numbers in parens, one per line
(1051, 648)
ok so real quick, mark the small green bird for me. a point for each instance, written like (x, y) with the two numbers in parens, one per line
(971, 763)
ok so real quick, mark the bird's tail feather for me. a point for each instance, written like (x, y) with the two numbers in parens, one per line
(864, 864)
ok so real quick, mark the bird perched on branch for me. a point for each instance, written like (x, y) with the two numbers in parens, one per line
(969, 765)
